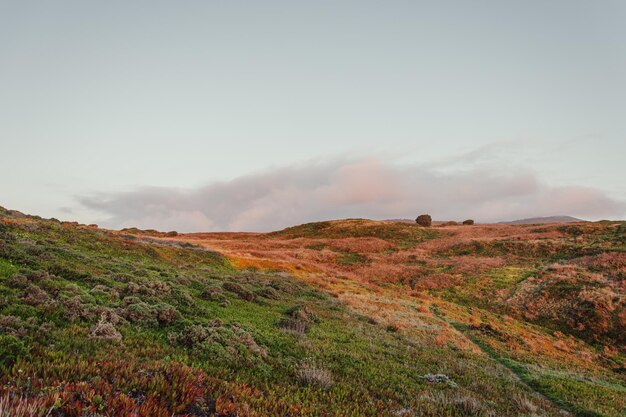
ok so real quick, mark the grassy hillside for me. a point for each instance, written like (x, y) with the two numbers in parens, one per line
(352, 318)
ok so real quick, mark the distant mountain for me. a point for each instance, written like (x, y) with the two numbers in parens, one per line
(400, 220)
(544, 220)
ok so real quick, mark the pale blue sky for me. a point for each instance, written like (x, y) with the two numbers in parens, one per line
(98, 98)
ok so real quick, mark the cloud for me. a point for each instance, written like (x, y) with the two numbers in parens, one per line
(340, 188)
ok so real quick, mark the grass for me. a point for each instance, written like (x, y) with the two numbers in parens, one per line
(7, 269)
(584, 394)
(583, 397)
(200, 336)
(485, 290)
(403, 234)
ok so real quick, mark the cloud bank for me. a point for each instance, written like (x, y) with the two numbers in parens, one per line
(342, 188)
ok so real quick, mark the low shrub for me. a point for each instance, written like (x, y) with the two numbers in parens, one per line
(303, 313)
(268, 292)
(139, 312)
(243, 293)
(34, 296)
(299, 319)
(217, 340)
(14, 326)
(11, 348)
(104, 330)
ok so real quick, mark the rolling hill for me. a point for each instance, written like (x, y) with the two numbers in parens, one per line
(546, 220)
(340, 318)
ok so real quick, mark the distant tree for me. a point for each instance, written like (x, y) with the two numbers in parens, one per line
(468, 222)
(424, 220)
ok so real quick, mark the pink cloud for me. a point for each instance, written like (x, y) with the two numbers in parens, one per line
(338, 188)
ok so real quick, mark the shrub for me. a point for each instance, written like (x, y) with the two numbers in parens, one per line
(303, 313)
(75, 309)
(424, 220)
(314, 376)
(219, 341)
(11, 348)
(14, 326)
(468, 222)
(148, 288)
(139, 313)
(284, 286)
(38, 276)
(299, 319)
(268, 292)
(104, 291)
(136, 311)
(17, 281)
(239, 290)
(104, 330)
(214, 294)
(34, 296)
(166, 314)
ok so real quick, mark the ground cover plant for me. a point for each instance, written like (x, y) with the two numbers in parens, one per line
(348, 318)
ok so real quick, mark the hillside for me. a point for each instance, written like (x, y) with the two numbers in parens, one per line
(545, 220)
(343, 318)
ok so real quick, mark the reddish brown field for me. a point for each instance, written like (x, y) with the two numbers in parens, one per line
(373, 266)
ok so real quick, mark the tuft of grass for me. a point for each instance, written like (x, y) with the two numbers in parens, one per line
(315, 376)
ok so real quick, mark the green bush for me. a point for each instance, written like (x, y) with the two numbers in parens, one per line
(11, 348)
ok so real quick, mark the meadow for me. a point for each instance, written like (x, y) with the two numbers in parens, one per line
(345, 318)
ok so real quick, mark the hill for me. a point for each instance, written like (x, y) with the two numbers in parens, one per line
(546, 220)
(343, 318)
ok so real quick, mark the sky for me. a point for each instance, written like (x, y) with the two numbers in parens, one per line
(247, 115)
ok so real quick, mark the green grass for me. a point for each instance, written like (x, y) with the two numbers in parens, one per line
(7, 268)
(582, 396)
(480, 291)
